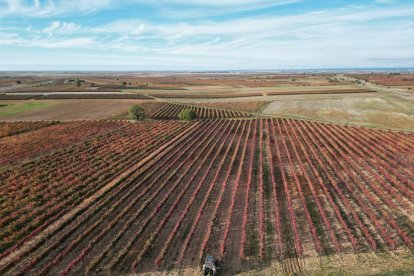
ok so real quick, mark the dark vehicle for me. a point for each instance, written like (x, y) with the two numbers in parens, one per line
(210, 266)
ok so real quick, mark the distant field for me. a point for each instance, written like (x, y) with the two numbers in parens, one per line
(252, 92)
(337, 101)
(375, 110)
(159, 81)
(63, 109)
(8, 109)
(392, 80)
(203, 110)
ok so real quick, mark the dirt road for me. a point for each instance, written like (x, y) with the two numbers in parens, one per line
(380, 88)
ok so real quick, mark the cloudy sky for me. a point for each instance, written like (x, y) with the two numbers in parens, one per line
(205, 35)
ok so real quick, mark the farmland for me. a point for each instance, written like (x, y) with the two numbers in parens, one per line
(381, 110)
(7, 129)
(320, 97)
(161, 81)
(393, 80)
(158, 196)
(164, 110)
(34, 191)
(212, 138)
(65, 110)
(262, 179)
(170, 110)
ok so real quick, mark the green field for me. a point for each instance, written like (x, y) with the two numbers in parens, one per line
(14, 108)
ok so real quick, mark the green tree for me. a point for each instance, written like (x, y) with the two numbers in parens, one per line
(136, 112)
(78, 83)
(187, 115)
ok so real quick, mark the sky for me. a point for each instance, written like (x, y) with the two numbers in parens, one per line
(139, 35)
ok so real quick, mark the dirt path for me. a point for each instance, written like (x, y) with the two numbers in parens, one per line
(405, 93)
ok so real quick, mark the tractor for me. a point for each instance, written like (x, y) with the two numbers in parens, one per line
(210, 266)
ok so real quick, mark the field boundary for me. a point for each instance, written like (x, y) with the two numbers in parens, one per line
(262, 94)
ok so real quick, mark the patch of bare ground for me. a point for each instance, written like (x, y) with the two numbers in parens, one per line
(400, 262)
(379, 110)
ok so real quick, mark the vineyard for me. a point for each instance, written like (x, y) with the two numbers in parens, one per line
(32, 143)
(7, 129)
(165, 110)
(37, 192)
(157, 196)
(251, 107)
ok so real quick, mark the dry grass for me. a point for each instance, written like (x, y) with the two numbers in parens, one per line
(373, 110)
(400, 262)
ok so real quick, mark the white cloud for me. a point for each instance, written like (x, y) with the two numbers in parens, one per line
(228, 3)
(57, 27)
(132, 27)
(385, 1)
(347, 37)
(69, 27)
(47, 8)
(52, 28)
(37, 3)
(79, 42)
(303, 25)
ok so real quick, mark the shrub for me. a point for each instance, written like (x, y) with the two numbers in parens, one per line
(136, 112)
(187, 115)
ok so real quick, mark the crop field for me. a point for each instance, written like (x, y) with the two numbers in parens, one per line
(380, 110)
(64, 110)
(190, 81)
(165, 110)
(399, 80)
(7, 129)
(252, 93)
(76, 159)
(160, 195)
(169, 111)
(251, 107)
(47, 139)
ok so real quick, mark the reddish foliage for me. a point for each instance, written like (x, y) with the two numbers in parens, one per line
(331, 189)
(164, 110)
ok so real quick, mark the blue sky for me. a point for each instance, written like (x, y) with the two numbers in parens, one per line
(205, 35)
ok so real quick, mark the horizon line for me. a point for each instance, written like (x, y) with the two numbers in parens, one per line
(214, 70)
